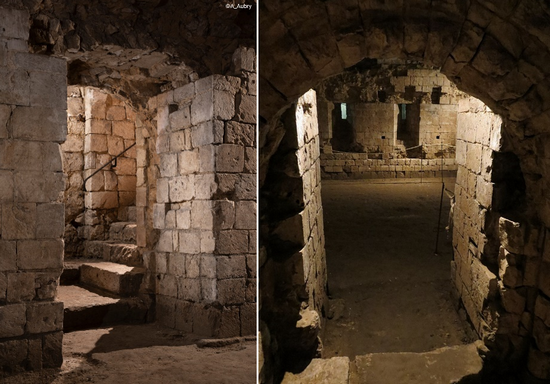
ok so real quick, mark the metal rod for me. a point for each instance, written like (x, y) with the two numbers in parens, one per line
(439, 220)
(104, 165)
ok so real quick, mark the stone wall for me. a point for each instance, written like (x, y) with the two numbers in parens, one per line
(33, 102)
(100, 126)
(293, 260)
(359, 166)
(395, 143)
(73, 168)
(496, 255)
(109, 130)
(206, 204)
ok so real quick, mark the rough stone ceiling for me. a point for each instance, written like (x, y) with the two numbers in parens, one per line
(135, 47)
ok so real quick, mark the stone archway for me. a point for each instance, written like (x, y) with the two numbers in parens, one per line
(494, 51)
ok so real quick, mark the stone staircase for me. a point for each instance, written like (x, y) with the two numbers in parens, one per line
(457, 364)
(102, 289)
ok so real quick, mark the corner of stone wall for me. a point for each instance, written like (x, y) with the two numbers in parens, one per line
(205, 210)
(33, 97)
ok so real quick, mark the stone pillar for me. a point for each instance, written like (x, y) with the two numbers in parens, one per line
(206, 207)
(324, 114)
(33, 123)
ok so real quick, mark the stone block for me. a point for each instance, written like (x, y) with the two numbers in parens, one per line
(244, 59)
(13, 320)
(166, 311)
(115, 145)
(48, 89)
(180, 119)
(246, 108)
(168, 286)
(40, 254)
(127, 183)
(189, 242)
(163, 190)
(251, 266)
(231, 291)
(184, 94)
(184, 320)
(183, 218)
(50, 221)
(202, 106)
(206, 319)
(20, 287)
(124, 129)
(232, 242)
(167, 241)
(240, 134)
(115, 112)
(168, 164)
(230, 267)
(230, 324)
(14, 23)
(188, 162)
(245, 187)
(229, 158)
(45, 285)
(125, 166)
(6, 186)
(176, 263)
(248, 319)
(206, 158)
(245, 215)
(181, 188)
(208, 242)
(8, 256)
(15, 89)
(224, 214)
(95, 143)
(38, 187)
(205, 186)
(18, 221)
(180, 140)
(224, 105)
(52, 352)
(101, 200)
(201, 214)
(250, 160)
(189, 289)
(39, 123)
(202, 134)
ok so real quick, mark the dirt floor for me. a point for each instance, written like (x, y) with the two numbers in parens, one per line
(389, 291)
(146, 354)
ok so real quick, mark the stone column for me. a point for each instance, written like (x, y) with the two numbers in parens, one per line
(206, 206)
(33, 123)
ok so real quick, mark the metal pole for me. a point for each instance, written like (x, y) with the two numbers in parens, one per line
(439, 219)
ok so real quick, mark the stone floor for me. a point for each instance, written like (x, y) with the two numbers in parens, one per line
(389, 291)
(145, 354)
(458, 364)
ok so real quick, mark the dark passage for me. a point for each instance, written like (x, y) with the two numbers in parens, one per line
(389, 292)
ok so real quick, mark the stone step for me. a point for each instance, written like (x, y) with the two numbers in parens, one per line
(113, 251)
(334, 371)
(118, 279)
(442, 366)
(123, 231)
(85, 309)
(447, 365)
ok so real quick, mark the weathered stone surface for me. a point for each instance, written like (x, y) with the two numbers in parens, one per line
(334, 370)
(13, 320)
(443, 365)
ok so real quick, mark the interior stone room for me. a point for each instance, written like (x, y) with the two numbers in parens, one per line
(373, 115)
(127, 189)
